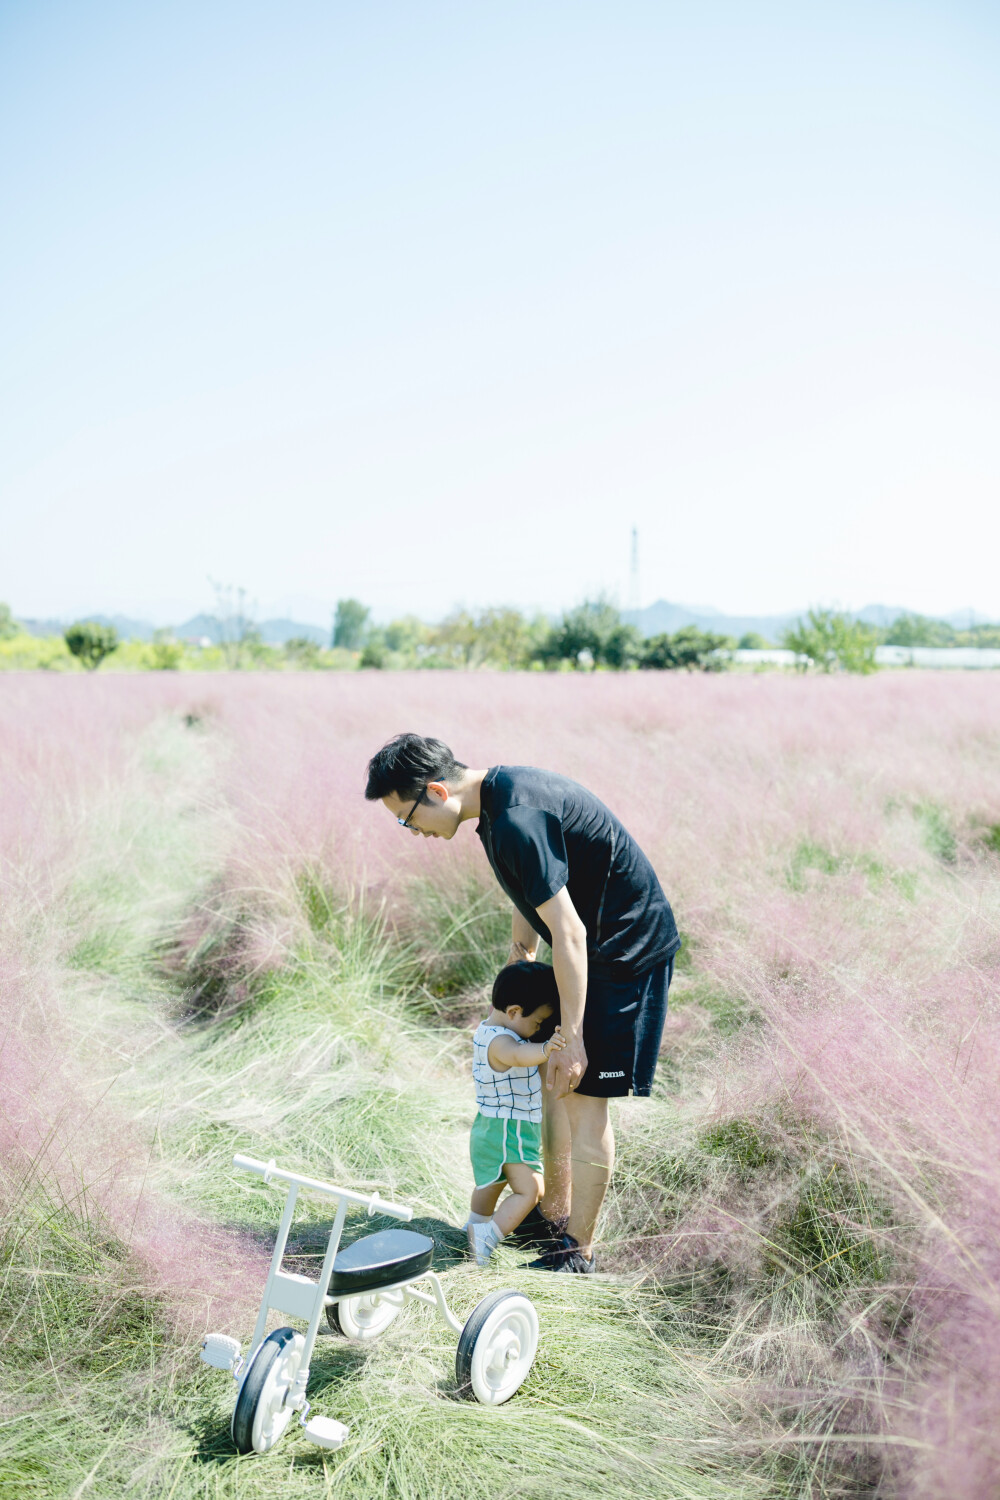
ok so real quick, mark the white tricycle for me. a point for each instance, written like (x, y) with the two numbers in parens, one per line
(360, 1290)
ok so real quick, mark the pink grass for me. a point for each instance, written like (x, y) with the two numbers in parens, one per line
(875, 963)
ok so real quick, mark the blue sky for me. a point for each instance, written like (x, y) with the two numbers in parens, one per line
(432, 303)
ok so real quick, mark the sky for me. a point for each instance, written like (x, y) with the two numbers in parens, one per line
(431, 304)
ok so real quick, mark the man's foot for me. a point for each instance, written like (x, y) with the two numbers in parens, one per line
(566, 1256)
(536, 1232)
(484, 1238)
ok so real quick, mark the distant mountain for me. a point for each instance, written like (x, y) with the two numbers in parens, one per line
(129, 630)
(272, 632)
(199, 627)
(663, 618)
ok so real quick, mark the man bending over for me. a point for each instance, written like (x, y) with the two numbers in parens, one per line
(578, 879)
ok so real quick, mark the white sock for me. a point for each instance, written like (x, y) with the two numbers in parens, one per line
(499, 1232)
(475, 1218)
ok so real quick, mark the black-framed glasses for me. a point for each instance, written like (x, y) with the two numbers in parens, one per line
(405, 822)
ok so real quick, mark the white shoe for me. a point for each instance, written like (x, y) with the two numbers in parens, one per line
(468, 1226)
(483, 1240)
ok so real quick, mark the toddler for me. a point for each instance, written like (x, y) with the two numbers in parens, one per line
(506, 1140)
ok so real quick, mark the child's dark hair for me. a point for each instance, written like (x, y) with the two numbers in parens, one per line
(529, 985)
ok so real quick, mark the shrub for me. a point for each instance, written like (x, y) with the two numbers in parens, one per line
(25, 653)
(165, 654)
(301, 652)
(374, 654)
(90, 643)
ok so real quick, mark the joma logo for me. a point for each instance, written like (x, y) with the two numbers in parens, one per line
(619, 1074)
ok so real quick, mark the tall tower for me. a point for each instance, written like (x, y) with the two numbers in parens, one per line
(633, 577)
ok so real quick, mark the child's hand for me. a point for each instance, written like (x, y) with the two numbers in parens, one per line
(554, 1044)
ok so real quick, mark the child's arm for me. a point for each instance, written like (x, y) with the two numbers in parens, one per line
(506, 1052)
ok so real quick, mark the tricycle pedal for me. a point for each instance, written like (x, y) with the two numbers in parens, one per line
(220, 1351)
(326, 1432)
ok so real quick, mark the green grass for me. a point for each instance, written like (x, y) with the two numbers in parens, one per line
(937, 832)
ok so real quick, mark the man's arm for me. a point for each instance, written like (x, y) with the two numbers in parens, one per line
(523, 939)
(569, 959)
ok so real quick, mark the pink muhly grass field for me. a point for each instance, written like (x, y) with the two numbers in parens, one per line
(826, 845)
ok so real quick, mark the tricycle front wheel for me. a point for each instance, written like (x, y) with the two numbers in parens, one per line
(261, 1416)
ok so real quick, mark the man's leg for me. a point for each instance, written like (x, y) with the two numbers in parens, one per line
(593, 1159)
(556, 1153)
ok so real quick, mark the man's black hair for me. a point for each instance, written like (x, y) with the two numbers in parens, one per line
(529, 985)
(406, 764)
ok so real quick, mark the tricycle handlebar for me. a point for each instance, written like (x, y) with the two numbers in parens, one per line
(272, 1173)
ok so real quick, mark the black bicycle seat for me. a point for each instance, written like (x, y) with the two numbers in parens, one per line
(380, 1260)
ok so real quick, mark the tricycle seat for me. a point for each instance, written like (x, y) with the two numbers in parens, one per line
(380, 1260)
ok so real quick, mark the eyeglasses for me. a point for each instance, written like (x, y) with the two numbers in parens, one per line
(405, 822)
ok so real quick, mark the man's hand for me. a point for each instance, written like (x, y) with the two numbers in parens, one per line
(566, 1067)
(519, 951)
(569, 959)
(523, 939)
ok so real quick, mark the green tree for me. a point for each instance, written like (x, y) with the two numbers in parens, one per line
(349, 624)
(494, 638)
(506, 639)
(591, 635)
(688, 648)
(457, 638)
(979, 635)
(407, 638)
(830, 640)
(622, 648)
(751, 641)
(919, 630)
(8, 626)
(90, 642)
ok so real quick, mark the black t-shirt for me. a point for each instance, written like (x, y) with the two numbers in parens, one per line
(542, 832)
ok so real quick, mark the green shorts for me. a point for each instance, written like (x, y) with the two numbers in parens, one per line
(494, 1142)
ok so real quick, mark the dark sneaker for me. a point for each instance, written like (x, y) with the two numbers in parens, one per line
(536, 1232)
(566, 1256)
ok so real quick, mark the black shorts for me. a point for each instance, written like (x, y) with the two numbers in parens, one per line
(622, 1028)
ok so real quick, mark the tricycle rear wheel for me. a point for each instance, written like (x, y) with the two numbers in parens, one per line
(361, 1317)
(496, 1348)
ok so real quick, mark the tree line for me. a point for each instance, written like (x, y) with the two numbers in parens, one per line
(591, 636)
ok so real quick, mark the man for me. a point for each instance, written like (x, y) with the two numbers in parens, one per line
(579, 880)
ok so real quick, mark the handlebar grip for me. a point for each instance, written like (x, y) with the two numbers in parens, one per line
(394, 1210)
(250, 1164)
